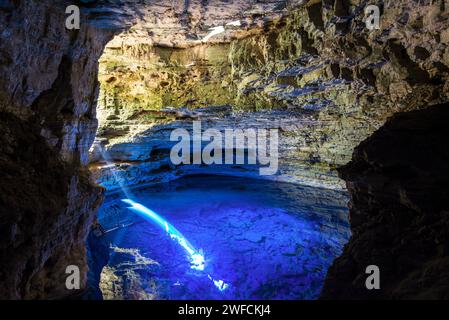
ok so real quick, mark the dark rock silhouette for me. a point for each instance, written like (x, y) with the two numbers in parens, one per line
(399, 212)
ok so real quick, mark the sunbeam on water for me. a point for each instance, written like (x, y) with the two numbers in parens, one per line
(197, 260)
(258, 239)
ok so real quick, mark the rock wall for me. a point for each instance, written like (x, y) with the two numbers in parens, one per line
(399, 213)
(145, 159)
(48, 89)
(48, 92)
(323, 62)
(133, 88)
(314, 58)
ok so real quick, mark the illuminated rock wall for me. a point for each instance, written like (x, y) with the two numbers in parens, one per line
(318, 63)
(324, 62)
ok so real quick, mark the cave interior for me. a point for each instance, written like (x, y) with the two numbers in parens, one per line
(342, 165)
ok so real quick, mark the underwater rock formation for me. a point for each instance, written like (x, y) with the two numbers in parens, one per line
(399, 213)
(264, 240)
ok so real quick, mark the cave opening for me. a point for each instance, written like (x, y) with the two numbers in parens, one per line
(216, 231)
(325, 90)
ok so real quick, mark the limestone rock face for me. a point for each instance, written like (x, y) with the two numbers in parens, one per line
(311, 57)
(399, 213)
(49, 74)
(145, 159)
(48, 92)
(48, 89)
(322, 59)
(182, 24)
(47, 207)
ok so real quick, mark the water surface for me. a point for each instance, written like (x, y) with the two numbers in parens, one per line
(264, 240)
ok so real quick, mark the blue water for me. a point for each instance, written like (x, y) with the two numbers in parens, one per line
(264, 240)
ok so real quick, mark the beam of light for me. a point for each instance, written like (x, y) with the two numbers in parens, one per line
(220, 29)
(114, 173)
(196, 257)
(197, 260)
(220, 284)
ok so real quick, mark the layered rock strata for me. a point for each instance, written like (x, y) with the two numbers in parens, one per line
(48, 92)
(146, 159)
(317, 59)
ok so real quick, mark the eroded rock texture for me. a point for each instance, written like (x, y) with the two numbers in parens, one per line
(313, 58)
(47, 207)
(399, 212)
(48, 88)
(48, 91)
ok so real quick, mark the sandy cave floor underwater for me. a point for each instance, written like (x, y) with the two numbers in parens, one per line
(259, 239)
